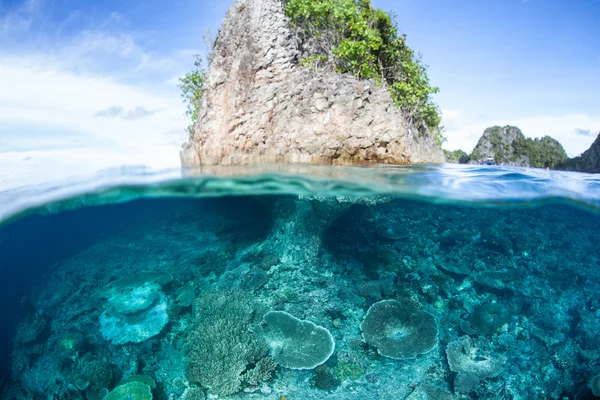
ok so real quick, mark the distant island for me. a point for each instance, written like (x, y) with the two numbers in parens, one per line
(506, 145)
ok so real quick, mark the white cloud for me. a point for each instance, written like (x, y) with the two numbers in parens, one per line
(77, 100)
(19, 20)
(41, 102)
(463, 132)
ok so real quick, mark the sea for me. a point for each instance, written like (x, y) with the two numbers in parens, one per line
(276, 282)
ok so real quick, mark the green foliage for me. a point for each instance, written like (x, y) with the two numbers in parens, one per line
(543, 153)
(314, 61)
(192, 89)
(508, 144)
(456, 156)
(352, 36)
(588, 161)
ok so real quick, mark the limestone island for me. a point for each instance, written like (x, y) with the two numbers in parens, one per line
(305, 82)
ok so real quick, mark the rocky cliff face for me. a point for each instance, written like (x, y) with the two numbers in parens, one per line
(260, 106)
(496, 143)
(507, 145)
(588, 161)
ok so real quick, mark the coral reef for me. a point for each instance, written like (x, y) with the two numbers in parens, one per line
(296, 344)
(400, 330)
(422, 301)
(471, 365)
(221, 345)
(130, 391)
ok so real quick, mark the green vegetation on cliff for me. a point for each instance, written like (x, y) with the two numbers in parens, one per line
(588, 161)
(192, 89)
(507, 145)
(351, 36)
(456, 156)
(543, 153)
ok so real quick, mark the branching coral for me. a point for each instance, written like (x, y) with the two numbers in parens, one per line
(222, 344)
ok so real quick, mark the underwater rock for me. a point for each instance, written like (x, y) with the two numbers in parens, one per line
(392, 232)
(324, 379)
(30, 329)
(496, 279)
(472, 367)
(595, 385)
(130, 391)
(429, 392)
(488, 318)
(286, 113)
(399, 330)
(296, 344)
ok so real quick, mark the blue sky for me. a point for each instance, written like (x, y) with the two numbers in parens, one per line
(88, 84)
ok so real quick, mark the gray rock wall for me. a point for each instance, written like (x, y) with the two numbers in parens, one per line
(588, 161)
(497, 143)
(260, 106)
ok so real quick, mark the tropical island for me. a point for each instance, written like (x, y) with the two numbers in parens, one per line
(507, 145)
(313, 82)
(331, 82)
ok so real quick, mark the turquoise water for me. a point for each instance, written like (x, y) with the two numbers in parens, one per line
(429, 282)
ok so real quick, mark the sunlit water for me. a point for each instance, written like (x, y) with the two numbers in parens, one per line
(429, 282)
